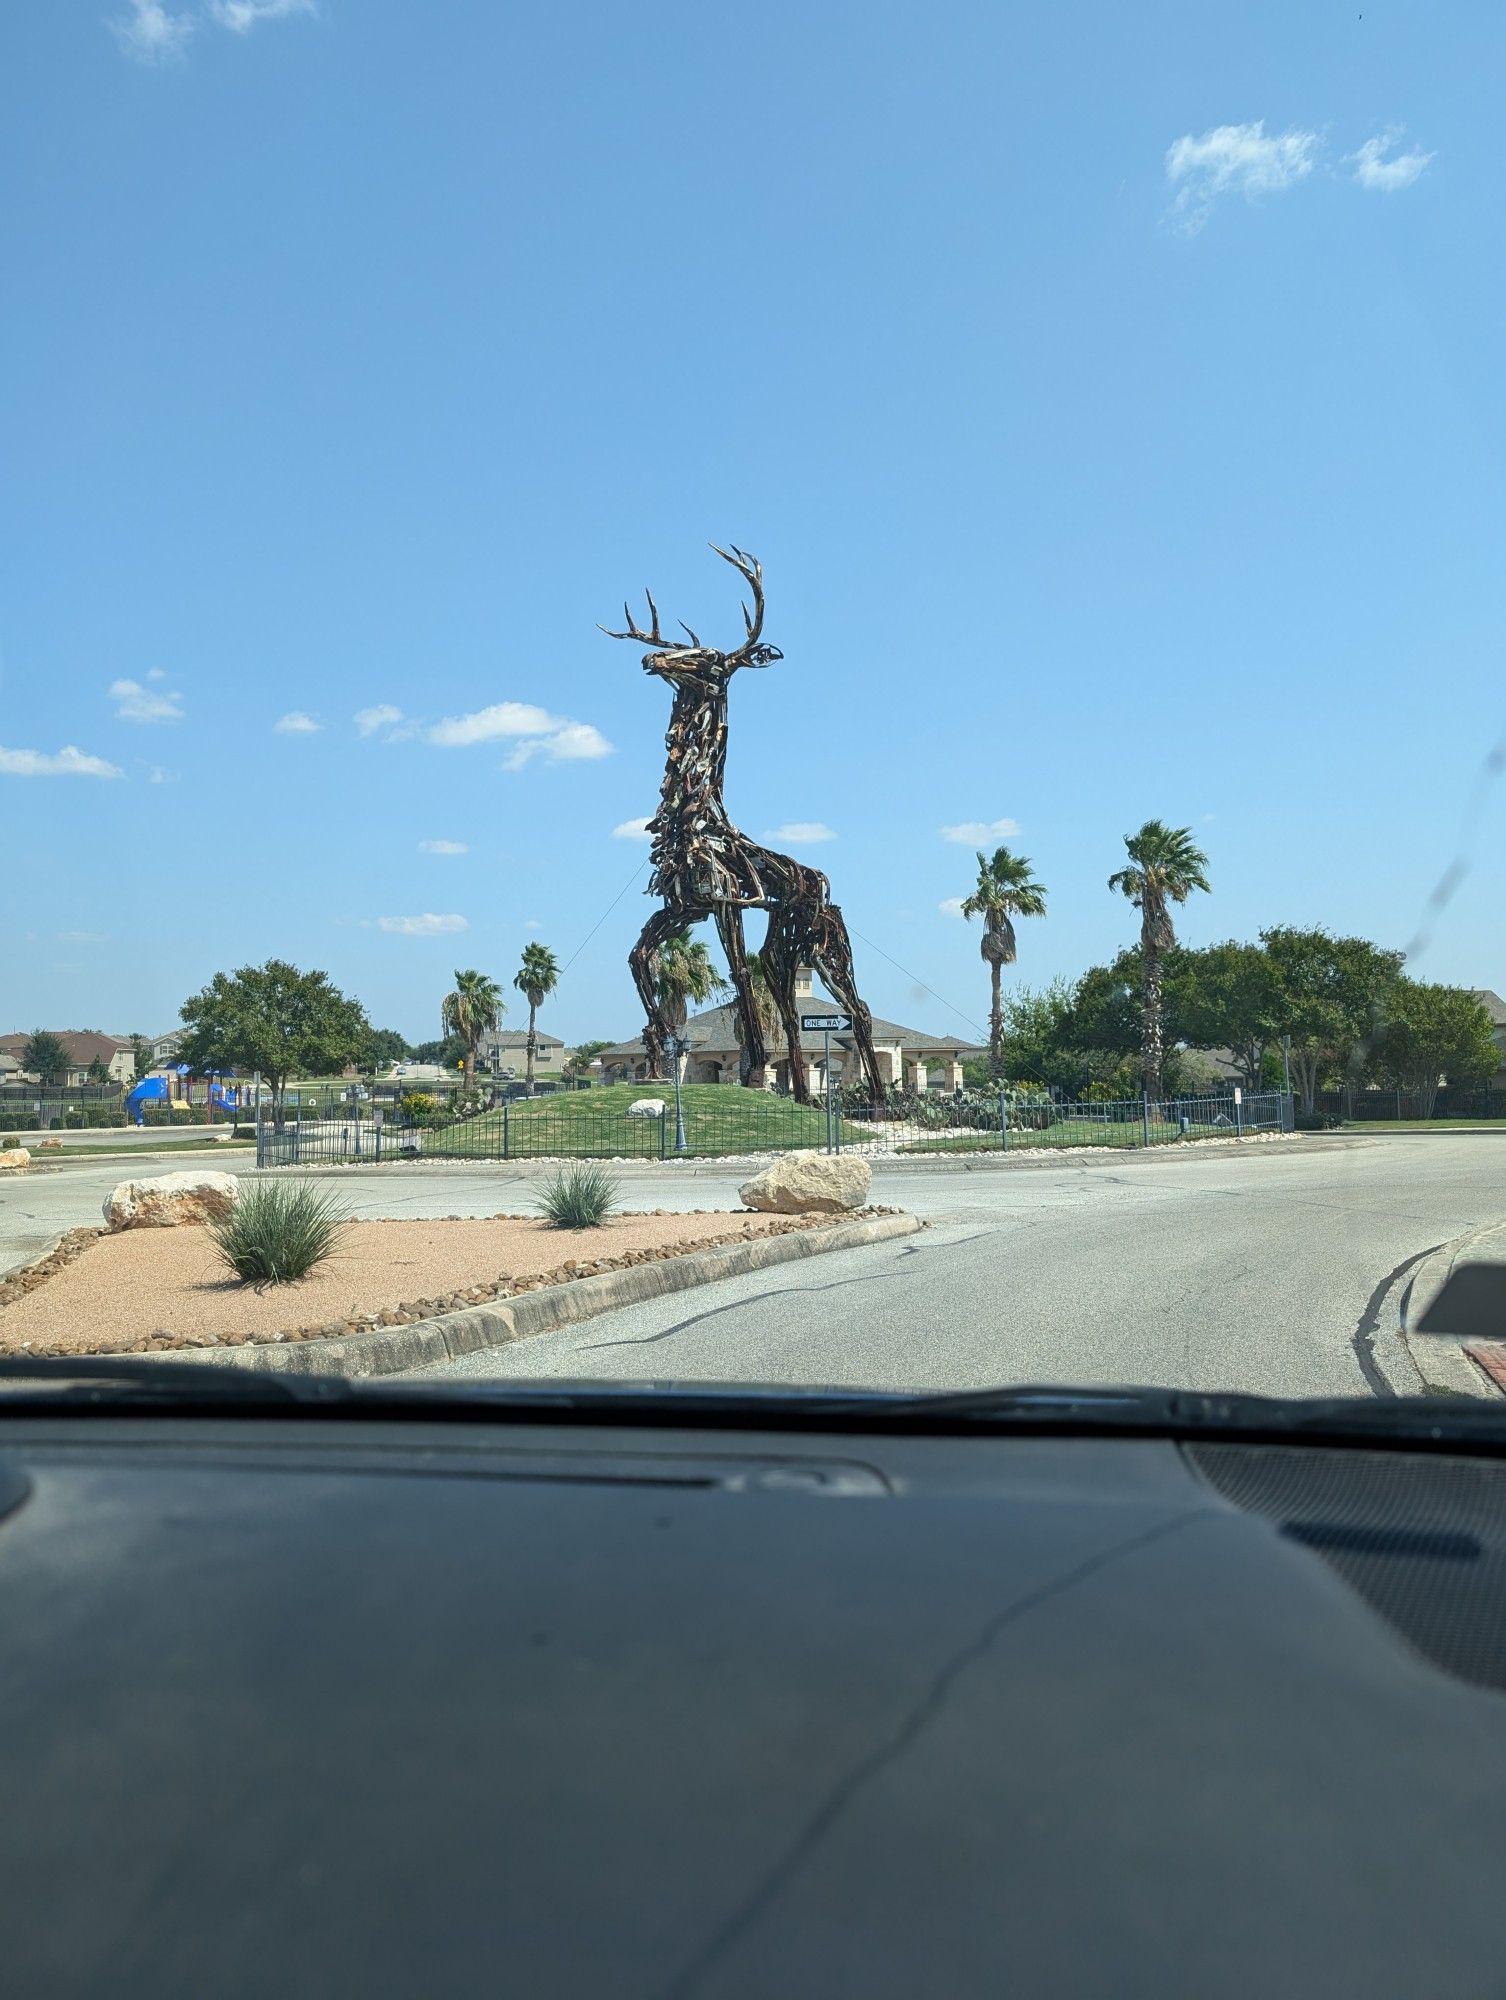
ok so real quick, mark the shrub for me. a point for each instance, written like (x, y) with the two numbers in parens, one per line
(578, 1197)
(1317, 1121)
(278, 1231)
(9, 1142)
(418, 1107)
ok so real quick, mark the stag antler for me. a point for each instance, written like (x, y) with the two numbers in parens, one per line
(751, 569)
(652, 637)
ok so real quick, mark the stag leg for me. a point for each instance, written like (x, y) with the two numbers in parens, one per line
(831, 956)
(643, 960)
(778, 956)
(729, 928)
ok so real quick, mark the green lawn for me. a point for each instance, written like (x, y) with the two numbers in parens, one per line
(1070, 1132)
(593, 1124)
(1423, 1125)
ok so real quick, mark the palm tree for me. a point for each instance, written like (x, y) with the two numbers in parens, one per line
(536, 978)
(686, 975)
(765, 1007)
(474, 1009)
(1005, 889)
(1167, 865)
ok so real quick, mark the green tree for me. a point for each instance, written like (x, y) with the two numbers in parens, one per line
(765, 1007)
(1166, 865)
(1330, 995)
(1433, 1033)
(275, 1019)
(447, 1053)
(141, 1055)
(98, 1072)
(1005, 889)
(1224, 997)
(685, 977)
(386, 1047)
(582, 1056)
(475, 1008)
(536, 978)
(45, 1057)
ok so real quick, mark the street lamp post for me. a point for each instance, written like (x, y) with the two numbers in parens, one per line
(675, 1045)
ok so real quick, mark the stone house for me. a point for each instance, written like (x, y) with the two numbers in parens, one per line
(906, 1056)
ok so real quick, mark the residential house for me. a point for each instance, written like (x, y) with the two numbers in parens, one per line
(507, 1049)
(906, 1056)
(85, 1046)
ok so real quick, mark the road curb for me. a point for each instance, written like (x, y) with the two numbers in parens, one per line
(1443, 1365)
(397, 1350)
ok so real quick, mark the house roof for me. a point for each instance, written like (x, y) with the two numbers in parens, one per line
(1493, 1004)
(517, 1038)
(717, 1029)
(84, 1045)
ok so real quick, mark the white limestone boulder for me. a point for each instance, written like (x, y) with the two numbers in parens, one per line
(13, 1159)
(646, 1107)
(168, 1200)
(799, 1183)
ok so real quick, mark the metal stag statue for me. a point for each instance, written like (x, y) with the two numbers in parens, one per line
(705, 867)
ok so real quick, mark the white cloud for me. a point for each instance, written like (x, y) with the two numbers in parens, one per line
(632, 829)
(240, 16)
(979, 832)
(802, 832)
(1382, 176)
(569, 744)
(428, 925)
(533, 924)
(155, 674)
(80, 937)
(297, 723)
(158, 776)
(552, 737)
(369, 720)
(1234, 159)
(151, 32)
(135, 703)
(950, 906)
(443, 847)
(489, 725)
(69, 762)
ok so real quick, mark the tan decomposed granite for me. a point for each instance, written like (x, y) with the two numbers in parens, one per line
(136, 1290)
(166, 1201)
(798, 1183)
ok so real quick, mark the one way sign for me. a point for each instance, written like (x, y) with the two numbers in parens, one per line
(832, 1024)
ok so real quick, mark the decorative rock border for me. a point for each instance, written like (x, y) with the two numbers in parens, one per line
(26, 1277)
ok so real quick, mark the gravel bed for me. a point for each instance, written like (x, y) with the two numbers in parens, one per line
(148, 1289)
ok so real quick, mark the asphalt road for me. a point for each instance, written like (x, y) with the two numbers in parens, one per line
(1272, 1268)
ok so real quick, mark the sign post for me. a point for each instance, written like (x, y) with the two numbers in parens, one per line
(827, 1025)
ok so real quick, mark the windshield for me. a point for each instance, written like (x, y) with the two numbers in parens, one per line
(812, 709)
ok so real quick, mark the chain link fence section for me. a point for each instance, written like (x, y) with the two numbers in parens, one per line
(724, 1122)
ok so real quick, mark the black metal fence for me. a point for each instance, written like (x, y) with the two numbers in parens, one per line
(724, 1121)
(1375, 1106)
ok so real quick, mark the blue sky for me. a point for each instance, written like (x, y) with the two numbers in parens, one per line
(1112, 394)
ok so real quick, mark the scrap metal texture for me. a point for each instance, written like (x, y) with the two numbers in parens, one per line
(705, 867)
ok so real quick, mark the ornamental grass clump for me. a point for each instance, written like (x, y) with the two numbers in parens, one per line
(578, 1197)
(279, 1231)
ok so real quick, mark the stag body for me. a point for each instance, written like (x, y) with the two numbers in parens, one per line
(704, 866)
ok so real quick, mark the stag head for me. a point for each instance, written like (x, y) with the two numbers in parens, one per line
(675, 663)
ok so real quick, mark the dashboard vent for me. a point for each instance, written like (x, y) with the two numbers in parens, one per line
(1421, 1539)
